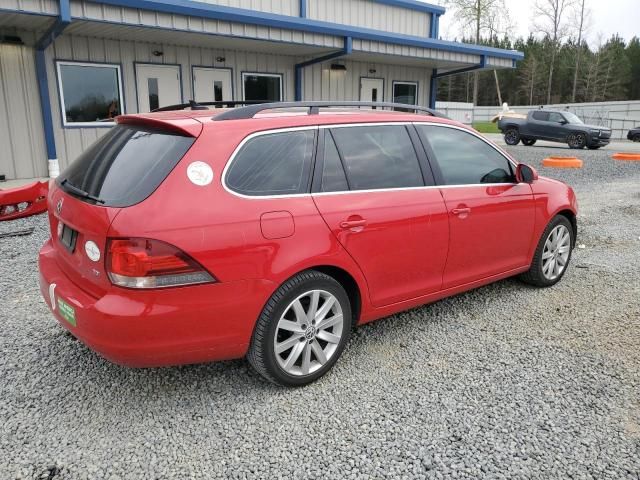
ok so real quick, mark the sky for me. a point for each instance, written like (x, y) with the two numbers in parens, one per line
(607, 17)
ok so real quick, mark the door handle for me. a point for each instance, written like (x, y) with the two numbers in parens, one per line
(353, 224)
(461, 211)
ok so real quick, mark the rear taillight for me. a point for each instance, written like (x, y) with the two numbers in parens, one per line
(145, 263)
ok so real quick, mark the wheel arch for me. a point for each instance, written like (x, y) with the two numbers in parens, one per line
(571, 216)
(349, 284)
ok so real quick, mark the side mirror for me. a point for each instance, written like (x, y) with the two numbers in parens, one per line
(563, 122)
(526, 173)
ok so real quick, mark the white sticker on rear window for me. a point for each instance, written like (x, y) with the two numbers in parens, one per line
(200, 173)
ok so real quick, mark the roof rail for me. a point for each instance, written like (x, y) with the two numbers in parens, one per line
(203, 105)
(315, 106)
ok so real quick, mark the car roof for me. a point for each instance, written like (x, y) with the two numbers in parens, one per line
(191, 120)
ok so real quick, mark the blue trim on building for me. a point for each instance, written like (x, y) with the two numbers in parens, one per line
(483, 64)
(414, 5)
(433, 89)
(303, 8)
(348, 48)
(230, 14)
(42, 43)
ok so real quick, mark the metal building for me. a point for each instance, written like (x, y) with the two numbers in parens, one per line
(67, 67)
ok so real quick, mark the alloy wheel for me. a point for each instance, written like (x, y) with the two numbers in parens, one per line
(308, 332)
(556, 252)
(576, 140)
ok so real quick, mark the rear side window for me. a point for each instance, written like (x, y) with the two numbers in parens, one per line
(126, 165)
(378, 157)
(273, 164)
(464, 159)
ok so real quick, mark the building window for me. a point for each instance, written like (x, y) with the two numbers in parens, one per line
(405, 92)
(89, 92)
(262, 86)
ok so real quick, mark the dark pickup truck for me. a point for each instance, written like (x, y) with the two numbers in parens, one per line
(554, 126)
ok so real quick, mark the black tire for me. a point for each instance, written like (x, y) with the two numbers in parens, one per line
(262, 355)
(577, 140)
(636, 138)
(528, 142)
(512, 136)
(535, 276)
(594, 147)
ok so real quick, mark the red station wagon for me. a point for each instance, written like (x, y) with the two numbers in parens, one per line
(270, 231)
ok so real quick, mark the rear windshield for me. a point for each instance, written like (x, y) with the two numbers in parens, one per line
(125, 166)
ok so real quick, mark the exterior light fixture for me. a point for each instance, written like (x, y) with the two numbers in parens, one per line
(221, 59)
(337, 67)
(157, 53)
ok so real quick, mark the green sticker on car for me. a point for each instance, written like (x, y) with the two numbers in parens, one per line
(67, 312)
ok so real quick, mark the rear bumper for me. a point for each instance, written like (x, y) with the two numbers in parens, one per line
(158, 327)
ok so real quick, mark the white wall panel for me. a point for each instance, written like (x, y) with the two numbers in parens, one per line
(369, 14)
(49, 7)
(320, 83)
(22, 146)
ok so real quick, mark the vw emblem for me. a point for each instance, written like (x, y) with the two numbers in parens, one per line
(59, 206)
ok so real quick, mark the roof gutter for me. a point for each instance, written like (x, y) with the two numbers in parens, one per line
(62, 20)
(347, 49)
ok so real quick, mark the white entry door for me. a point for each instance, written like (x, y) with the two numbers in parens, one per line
(212, 84)
(158, 86)
(371, 90)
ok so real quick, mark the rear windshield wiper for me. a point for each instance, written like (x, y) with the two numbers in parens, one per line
(79, 192)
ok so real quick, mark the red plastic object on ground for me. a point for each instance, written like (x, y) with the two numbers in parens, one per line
(23, 201)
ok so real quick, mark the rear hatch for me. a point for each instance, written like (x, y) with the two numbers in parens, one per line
(120, 170)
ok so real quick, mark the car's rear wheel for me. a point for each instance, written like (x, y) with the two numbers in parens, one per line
(636, 137)
(528, 141)
(512, 136)
(302, 330)
(577, 140)
(552, 255)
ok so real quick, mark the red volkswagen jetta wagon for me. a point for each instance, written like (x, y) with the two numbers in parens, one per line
(270, 231)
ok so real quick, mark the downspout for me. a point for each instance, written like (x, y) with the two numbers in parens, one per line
(64, 19)
(303, 8)
(348, 48)
(433, 81)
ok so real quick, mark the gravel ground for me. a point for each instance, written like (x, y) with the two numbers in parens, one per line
(506, 381)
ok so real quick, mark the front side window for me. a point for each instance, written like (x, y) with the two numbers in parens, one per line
(464, 159)
(556, 117)
(377, 157)
(262, 87)
(89, 92)
(273, 164)
(405, 92)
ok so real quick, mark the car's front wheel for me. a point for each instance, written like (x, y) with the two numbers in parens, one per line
(528, 142)
(302, 330)
(552, 255)
(594, 147)
(512, 136)
(636, 137)
(577, 140)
